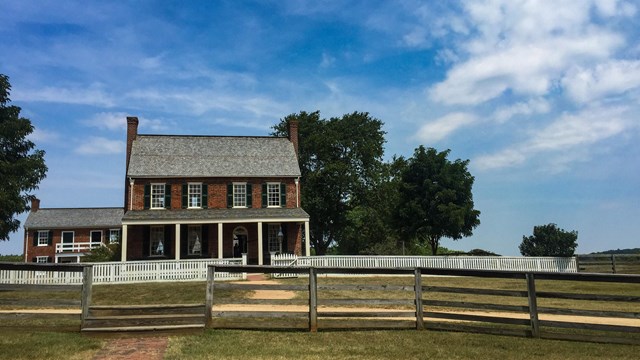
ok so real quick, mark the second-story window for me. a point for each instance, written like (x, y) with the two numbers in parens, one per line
(43, 238)
(239, 195)
(157, 196)
(273, 194)
(195, 195)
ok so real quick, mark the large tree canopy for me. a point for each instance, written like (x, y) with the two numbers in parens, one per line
(340, 161)
(436, 199)
(549, 240)
(21, 167)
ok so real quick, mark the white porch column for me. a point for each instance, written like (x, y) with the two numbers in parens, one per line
(123, 244)
(220, 241)
(177, 241)
(307, 238)
(260, 255)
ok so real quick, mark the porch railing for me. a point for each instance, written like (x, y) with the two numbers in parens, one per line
(77, 246)
(509, 263)
(128, 272)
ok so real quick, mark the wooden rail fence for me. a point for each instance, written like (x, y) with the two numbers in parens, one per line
(40, 295)
(609, 263)
(420, 305)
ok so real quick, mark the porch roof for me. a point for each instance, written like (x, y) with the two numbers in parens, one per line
(186, 216)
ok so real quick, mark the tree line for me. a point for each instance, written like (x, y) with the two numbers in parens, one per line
(360, 204)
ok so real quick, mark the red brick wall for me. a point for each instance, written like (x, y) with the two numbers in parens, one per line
(80, 235)
(217, 190)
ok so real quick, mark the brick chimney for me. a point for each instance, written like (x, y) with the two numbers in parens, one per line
(132, 133)
(293, 134)
(35, 204)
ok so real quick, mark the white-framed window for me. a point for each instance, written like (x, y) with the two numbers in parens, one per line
(195, 195)
(239, 194)
(42, 259)
(95, 236)
(114, 236)
(194, 243)
(157, 196)
(274, 243)
(273, 194)
(43, 238)
(156, 242)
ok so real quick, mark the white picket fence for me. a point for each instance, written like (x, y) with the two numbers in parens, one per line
(129, 272)
(511, 263)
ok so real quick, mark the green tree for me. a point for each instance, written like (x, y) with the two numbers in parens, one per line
(21, 167)
(436, 199)
(340, 160)
(549, 240)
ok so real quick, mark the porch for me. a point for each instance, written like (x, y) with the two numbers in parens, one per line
(214, 233)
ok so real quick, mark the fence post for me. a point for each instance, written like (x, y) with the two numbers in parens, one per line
(418, 289)
(577, 263)
(533, 305)
(313, 300)
(208, 306)
(87, 284)
(613, 263)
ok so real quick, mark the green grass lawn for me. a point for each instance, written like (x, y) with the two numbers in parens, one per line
(232, 344)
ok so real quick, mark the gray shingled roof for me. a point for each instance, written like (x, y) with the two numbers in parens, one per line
(75, 218)
(215, 214)
(212, 156)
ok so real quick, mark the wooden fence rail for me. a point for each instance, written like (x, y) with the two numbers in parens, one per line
(415, 303)
(25, 306)
(609, 263)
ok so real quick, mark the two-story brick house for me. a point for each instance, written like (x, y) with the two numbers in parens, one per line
(206, 196)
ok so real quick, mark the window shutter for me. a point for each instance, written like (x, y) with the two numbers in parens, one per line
(147, 196)
(49, 259)
(146, 241)
(50, 238)
(35, 238)
(167, 196)
(185, 193)
(229, 195)
(264, 195)
(249, 196)
(205, 196)
(283, 195)
(285, 238)
(34, 259)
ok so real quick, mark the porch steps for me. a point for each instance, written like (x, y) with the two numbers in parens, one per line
(124, 318)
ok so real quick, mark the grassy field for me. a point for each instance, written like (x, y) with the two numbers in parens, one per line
(48, 339)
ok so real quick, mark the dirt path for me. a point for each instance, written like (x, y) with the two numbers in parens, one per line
(282, 294)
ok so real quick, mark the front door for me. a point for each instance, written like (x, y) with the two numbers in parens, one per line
(67, 240)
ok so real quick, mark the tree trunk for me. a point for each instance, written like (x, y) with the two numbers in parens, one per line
(434, 243)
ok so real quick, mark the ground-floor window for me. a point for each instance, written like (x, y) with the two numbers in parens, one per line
(114, 236)
(274, 236)
(195, 240)
(42, 259)
(157, 241)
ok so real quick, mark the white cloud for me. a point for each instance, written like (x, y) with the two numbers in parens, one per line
(327, 60)
(524, 47)
(610, 78)
(533, 106)
(565, 140)
(95, 145)
(444, 126)
(93, 95)
(117, 121)
(39, 136)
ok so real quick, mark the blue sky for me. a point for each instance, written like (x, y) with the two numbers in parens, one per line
(543, 97)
